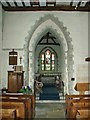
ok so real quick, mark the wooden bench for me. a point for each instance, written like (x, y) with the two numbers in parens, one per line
(22, 110)
(8, 114)
(74, 102)
(22, 106)
(22, 96)
(75, 105)
(83, 114)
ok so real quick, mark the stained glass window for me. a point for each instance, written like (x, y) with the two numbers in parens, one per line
(42, 61)
(53, 58)
(47, 61)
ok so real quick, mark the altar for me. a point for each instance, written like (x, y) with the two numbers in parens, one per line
(49, 78)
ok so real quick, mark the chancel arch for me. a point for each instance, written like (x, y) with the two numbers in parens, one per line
(53, 25)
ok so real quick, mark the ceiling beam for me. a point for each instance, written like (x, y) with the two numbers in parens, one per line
(30, 3)
(35, 4)
(15, 3)
(23, 3)
(49, 44)
(47, 8)
(50, 3)
(78, 5)
(71, 3)
(87, 4)
(8, 4)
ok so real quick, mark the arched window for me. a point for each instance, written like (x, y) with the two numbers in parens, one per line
(47, 61)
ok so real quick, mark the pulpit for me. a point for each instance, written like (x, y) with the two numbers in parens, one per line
(15, 81)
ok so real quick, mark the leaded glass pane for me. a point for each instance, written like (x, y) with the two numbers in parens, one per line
(42, 67)
(53, 57)
(42, 56)
(42, 61)
(47, 61)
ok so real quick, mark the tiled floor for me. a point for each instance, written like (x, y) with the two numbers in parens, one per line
(50, 110)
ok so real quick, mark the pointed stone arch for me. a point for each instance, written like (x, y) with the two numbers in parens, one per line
(52, 24)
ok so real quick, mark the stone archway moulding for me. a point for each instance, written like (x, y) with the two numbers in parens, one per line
(34, 34)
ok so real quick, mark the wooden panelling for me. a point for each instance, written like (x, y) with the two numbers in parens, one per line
(15, 81)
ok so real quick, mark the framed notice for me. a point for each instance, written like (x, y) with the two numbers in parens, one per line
(13, 58)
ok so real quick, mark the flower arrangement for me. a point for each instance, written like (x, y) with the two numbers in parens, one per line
(25, 89)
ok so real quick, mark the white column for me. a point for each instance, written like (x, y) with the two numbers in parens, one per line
(0, 46)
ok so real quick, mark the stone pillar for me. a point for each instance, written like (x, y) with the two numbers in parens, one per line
(31, 68)
(70, 72)
(0, 46)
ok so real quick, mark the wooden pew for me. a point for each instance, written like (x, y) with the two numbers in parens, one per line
(76, 105)
(83, 114)
(22, 106)
(8, 114)
(22, 96)
(79, 101)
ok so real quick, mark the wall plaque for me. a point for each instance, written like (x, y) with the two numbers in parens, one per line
(13, 58)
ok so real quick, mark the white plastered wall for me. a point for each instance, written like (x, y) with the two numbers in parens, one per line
(17, 25)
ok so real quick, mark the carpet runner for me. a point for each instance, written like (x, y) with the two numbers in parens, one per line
(49, 92)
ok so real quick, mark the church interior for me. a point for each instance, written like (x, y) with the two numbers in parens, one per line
(44, 59)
